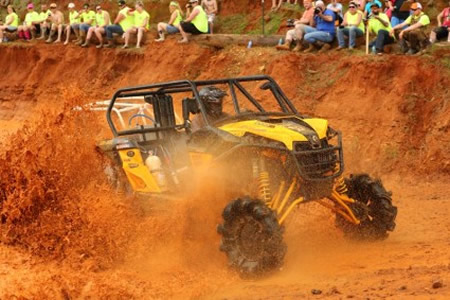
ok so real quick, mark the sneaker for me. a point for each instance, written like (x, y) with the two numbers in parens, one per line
(340, 48)
(412, 51)
(159, 40)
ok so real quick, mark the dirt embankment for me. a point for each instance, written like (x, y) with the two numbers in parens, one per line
(77, 237)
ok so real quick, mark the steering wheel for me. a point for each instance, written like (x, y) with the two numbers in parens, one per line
(140, 116)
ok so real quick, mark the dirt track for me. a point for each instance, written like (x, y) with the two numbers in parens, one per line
(98, 243)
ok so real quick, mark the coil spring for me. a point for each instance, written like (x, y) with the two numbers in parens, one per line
(264, 187)
(340, 185)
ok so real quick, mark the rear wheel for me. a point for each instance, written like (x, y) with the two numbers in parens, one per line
(251, 237)
(373, 208)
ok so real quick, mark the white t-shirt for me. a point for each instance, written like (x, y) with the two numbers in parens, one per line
(332, 6)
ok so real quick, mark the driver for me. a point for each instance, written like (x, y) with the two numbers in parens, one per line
(212, 98)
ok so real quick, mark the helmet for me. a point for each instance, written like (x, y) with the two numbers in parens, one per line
(211, 94)
(212, 97)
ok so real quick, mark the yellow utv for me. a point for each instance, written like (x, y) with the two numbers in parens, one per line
(275, 159)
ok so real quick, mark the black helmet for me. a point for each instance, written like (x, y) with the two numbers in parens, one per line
(212, 97)
(211, 94)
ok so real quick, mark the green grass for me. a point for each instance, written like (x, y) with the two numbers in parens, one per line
(270, 27)
(235, 24)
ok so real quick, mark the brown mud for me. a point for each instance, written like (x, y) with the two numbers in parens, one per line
(65, 233)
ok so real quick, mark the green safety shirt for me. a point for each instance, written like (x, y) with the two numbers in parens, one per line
(139, 18)
(31, 17)
(128, 21)
(14, 21)
(101, 18)
(201, 20)
(87, 16)
(74, 17)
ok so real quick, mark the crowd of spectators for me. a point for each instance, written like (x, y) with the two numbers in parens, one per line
(85, 23)
(401, 21)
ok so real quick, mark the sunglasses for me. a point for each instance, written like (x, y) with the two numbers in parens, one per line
(413, 9)
(352, 7)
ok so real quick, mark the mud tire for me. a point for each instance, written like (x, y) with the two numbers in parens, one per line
(251, 237)
(374, 208)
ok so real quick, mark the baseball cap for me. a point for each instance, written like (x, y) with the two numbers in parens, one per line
(30, 6)
(122, 2)
(416, 5)
(320, 3)
(375, 4)
(71, 5)
(53, 5)
(193, 1)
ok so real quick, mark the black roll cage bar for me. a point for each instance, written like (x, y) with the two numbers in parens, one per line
(181, 86)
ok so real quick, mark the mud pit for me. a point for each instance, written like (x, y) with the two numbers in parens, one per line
(67, 234)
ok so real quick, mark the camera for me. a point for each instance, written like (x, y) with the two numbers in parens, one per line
(290, 23)
(317, 10)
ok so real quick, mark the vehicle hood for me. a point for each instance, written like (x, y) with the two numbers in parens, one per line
(286, 131)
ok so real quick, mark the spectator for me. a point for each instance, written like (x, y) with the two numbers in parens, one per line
(336, 7)
(413, 38)
(352, 27)
(141, 25)
(324, 32)
(24, 31)
(276, 6)
(301, 26)
(400, 11)
(102, 20)
(210, 7)
(88, 17)
(175, 18)
(122, 23)
(11, 22)
(368, 7)
(380, 26)
(57, 20)
(196, 23)
(388, 8)
(74, 22)
(43, 26)
(443, 29)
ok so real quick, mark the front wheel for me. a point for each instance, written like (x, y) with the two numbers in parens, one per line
(251, 237)
(373, 208)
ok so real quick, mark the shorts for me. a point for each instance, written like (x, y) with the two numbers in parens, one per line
(211, 18)
(190, 28)
(441, 32)
(172, 29)
(38, 28)
(85, 27)
(11, 28)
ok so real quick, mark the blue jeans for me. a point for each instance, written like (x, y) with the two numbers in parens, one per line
(85, 27)
(383, 38)
(352, 32)
(395, 21)
(110, 29)
(317, 35)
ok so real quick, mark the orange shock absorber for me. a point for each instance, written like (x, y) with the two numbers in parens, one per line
(340, 185)
(264, 183)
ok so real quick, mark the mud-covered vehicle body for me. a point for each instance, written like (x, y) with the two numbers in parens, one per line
(274, 159)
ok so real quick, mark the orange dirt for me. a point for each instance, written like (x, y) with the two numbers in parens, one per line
(66, 234)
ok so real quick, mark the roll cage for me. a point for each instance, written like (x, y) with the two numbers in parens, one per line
(159, 96)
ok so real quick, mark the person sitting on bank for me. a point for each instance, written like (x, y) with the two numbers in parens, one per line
(24, 31)
(323, 33)
(57, 20)
(11, 22)
(442, 31)
(102, 20)
(122, 23)
(301, 27)
(176, 16)
(141, 25)
(196, 23)
(352, 27)
(413, 38)
(74, 21)
(210, 7)
(43, 26)
(380, 26)
(88, 17)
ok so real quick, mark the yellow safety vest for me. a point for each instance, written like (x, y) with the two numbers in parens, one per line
(128, 22)
(201, 20)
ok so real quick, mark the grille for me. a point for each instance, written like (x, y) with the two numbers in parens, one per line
(319, 163)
